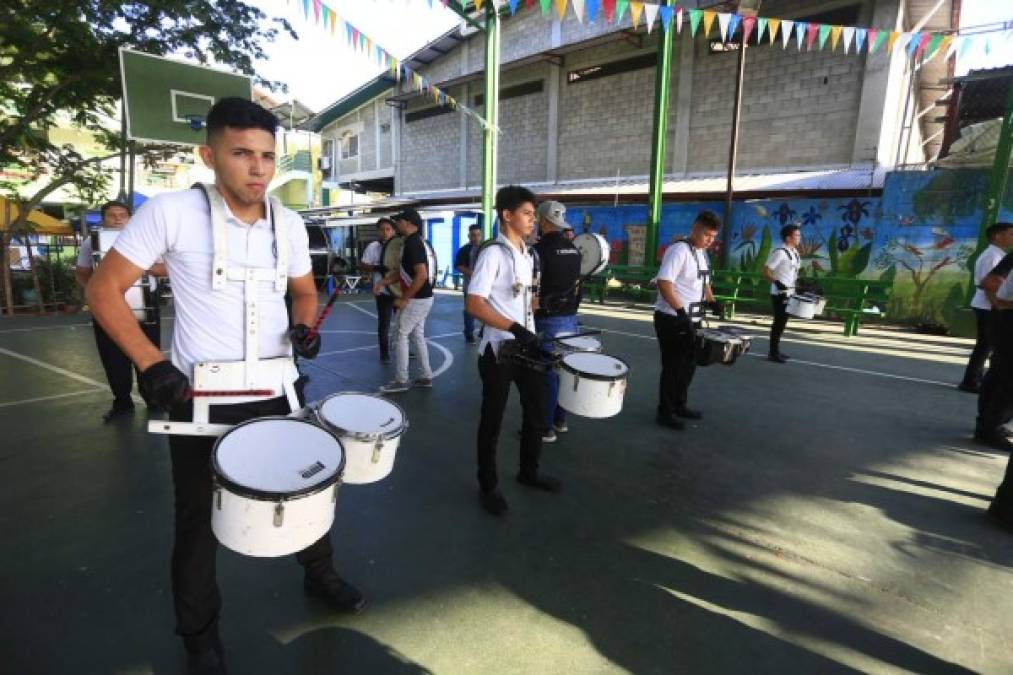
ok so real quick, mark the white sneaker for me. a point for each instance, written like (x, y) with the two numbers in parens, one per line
(549, 437)
(394, 387)
(561, 427)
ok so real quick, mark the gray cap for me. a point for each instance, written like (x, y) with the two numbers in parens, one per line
(555, 213)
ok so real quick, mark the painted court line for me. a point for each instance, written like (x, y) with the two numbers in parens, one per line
(849, 369)
(82, 392)
(50, 367)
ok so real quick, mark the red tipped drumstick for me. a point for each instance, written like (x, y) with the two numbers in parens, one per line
(206, 393)
(323, 314)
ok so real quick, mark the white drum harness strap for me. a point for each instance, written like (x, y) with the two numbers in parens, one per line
(697, 309)
(517, 286)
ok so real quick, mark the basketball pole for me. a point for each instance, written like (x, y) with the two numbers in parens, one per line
(123, 150)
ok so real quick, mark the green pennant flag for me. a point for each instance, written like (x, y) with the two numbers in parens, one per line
(761, 25)
(694, 20)
(546, 6)
(880, 39)
(621, 6)
(824, 33)
(933, 45)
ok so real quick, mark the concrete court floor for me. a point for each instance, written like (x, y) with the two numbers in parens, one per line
(825, 516)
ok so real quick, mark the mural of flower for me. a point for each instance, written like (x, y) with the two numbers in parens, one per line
(811, 217)
(808, 247)
(868, 234)
(853, 211)
(784, 213)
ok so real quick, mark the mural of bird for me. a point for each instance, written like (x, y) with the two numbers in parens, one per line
(913, 250)
(943, 239)
(760, 210)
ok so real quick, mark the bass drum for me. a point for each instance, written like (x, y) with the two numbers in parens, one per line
(594, 253)
(392, 261)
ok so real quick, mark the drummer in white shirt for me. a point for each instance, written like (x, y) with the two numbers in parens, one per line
(1000, 238)
(683, 293)
(501, 296)
(781, 270)
(211, 326)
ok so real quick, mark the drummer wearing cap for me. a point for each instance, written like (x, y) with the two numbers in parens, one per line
(683, 292)
(559, 263)
(234, 221)
(501, 296)
(781, 270)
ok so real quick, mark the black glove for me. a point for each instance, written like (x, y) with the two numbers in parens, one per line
(683, 321)
(524, 337)
(717, 308)
(166, 385)
(781, 287)
(303, 344)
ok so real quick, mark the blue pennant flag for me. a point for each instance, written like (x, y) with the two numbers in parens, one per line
(513, 5)
(592, 9)
(912, 46)
(733, 25)
(860, 34)
(666, 16)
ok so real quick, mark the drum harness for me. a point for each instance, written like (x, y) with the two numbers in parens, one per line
(795, 260)
(697, 309)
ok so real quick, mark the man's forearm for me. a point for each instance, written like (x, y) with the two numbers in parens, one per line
(668, 294)
(110, 309)
(418, 281)
(304, 309)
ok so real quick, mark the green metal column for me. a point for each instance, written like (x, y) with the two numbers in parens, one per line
(491, 116)
(662, 81)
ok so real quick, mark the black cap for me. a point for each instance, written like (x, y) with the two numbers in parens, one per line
(411, 215)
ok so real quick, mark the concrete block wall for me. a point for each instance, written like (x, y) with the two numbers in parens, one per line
(367, 138)
(430, 148)
(386, 120)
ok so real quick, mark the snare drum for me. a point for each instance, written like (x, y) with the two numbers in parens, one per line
(275, 484)
(594, 253)
(722, 346)
(370, 430)
(592, 385)
(801, 306)
(582, 343)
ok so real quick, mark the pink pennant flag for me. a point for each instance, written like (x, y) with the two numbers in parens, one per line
(810, 34)
(922, 44)
(678, 20)
(748, 23)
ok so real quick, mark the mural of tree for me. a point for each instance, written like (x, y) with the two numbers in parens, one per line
(922, 263)
(950, 196)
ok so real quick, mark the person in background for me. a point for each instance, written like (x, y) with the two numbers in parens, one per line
(372, 263)
(1000, 238)
(464, 263)
(781, 270)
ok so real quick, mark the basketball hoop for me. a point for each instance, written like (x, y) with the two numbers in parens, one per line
(196, 122)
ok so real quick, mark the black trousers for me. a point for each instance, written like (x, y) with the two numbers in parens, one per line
(194, 586)
(496, 379)
(995, 400)
(678, 362)
(982, 349)
(780, 304)
(384, 312)
(117, 365)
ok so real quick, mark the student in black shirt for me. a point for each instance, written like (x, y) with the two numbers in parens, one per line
(464, 263)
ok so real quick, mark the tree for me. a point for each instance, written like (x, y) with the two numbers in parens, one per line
(60, 61)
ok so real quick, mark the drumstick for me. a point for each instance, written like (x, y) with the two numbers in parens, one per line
(323, 314)
(206, 393)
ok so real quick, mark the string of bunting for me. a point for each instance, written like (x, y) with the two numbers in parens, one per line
(324, 16)
(922, 45)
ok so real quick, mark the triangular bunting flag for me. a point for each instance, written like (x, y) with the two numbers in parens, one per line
(678, 20)
(306, 8)
(651, 10)
(666, 16)
(513, 6)
(478, 5)
(922, 45)
(708, 21)
(949, 44)
(761, 25)
(912, 42)
(325, 12)
(610, 10)
(316, 11)
(891, 40)
(694, 20)
(800, 29)
(860, 34)
(546, 6)
(876, 39)
(811, 31)
(936, 45)
(848, 33)
(823, 32)
(636, 9)
(561, 9)
(578, 9)
(621, 6)
(723, 20)
(528, 4)
(965, 46)
(835, 37)
(592, 9)
(733, 26)
(775, 24)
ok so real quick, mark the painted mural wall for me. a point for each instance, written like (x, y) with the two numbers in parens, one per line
(920, 235)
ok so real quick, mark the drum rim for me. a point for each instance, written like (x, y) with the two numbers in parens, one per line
(360, 435)
(223, 481)
(595, 376)
(604, 257)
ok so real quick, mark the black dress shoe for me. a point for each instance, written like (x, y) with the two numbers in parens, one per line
(777, 358)
(670, 421)
(540, 482)
(118, 410)
(995, 440)
(1002, 521)
(689, 414)
(208, 662)
(335, 591)
(493, 502)
(969, 388)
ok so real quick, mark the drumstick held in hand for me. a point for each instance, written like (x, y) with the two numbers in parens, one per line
(323, 314)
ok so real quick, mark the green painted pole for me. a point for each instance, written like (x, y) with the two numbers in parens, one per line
(492, 35)
(662, 81)
(997, 181)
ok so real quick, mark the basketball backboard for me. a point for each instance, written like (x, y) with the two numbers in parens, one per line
(167, 100)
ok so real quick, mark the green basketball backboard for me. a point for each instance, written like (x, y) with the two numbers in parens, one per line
(166, 99)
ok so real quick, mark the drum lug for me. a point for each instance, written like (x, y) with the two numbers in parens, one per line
(576, 380)
(334, 494)
(612, 386)
(279, 514)
(218, 498)
(377, 447)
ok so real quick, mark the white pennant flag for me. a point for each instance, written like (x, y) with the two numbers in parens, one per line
(848, 33)
(954, 44)
(578, 9)
(651, 10)
(723, 19)
(786, 28)
(902, 41)
(678, 20)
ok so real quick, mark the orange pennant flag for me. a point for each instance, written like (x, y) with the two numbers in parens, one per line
(478, 4)
(708, 21)
(772, 26)
(944, 46)
(561, 9)
(636, 9)
(835, 37)
(892, 40)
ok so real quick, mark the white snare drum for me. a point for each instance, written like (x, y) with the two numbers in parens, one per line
(722, 346)
(594, 253)
(592, 385)
(582, 343)
(821, 302)
(801, 306)
(370, 429)
(276, 481)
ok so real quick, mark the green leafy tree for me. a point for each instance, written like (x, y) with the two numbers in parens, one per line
(59, 62)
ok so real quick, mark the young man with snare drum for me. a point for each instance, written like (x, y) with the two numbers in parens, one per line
(372, 263)
(1000, 238)
(683, 293)
(216, 240)
(501, 296)
(781, 270)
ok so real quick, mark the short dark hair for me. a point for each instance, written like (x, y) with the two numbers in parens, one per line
(383, 220)
(410, 215)
(511, 197)
(239, 113)
(474, 226)
(998, 228)
(708, 219)
(789, 230)
(110, 204)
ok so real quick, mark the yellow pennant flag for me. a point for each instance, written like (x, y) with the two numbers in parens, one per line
(944, 46)
(890, 41)
(835, 37)
(561, 9)
(772, 26)
(478, 4)
(708, 21)
(636, 9)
